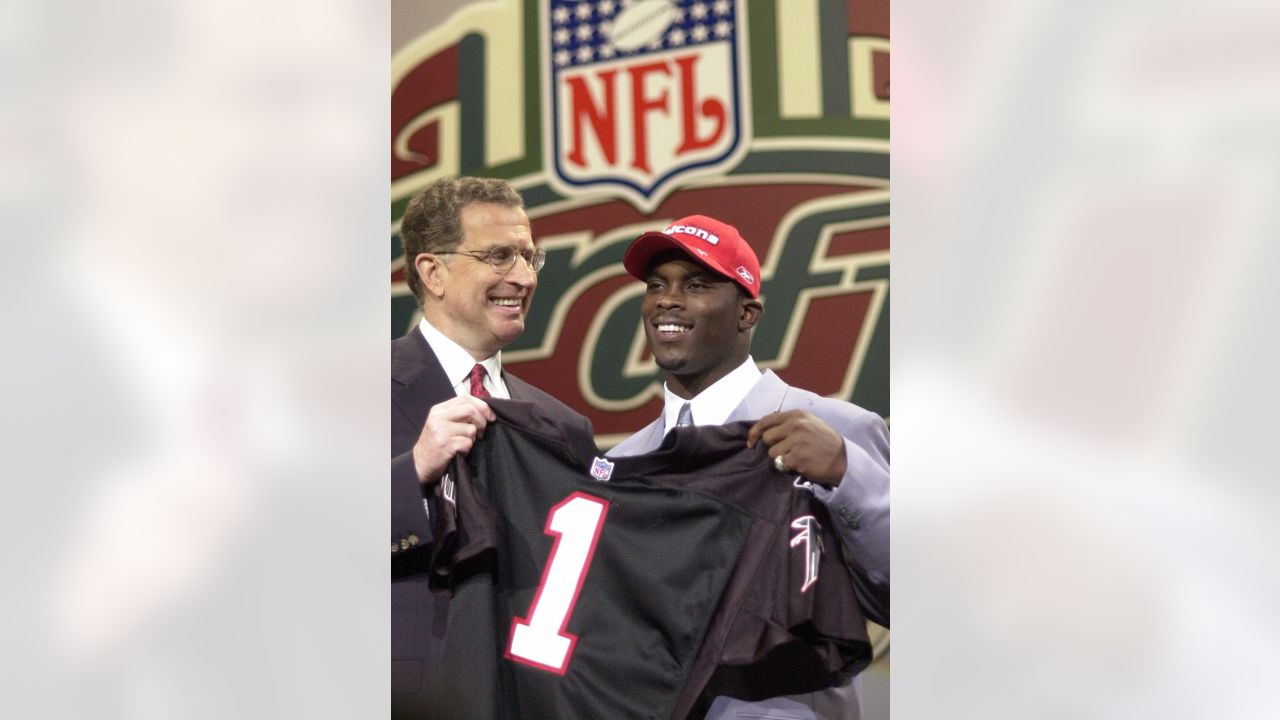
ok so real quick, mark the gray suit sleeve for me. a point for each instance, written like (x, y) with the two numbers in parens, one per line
(859, 506)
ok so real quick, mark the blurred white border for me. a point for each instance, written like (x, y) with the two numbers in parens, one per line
(1083, 360)
(195, 197)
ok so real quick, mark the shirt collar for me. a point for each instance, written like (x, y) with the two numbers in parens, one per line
(456, 361)
(713, 405)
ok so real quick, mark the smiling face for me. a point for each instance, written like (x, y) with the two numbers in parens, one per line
(478, 308)
(697, 322)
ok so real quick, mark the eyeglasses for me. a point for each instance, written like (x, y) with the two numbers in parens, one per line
(503, 258)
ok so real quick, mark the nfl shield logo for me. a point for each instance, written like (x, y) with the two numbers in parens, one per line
(642, 93)
(601, 469)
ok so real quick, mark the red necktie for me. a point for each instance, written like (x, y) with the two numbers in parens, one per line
(477, 381)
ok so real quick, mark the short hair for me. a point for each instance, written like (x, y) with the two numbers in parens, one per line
(431, 222)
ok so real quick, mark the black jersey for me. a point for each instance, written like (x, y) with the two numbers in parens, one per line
(626, 588)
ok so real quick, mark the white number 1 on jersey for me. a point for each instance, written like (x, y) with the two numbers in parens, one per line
(539, 639)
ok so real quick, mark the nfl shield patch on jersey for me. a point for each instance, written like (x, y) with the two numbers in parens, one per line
(601, 469)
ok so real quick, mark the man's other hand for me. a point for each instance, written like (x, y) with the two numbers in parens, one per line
(807, 445)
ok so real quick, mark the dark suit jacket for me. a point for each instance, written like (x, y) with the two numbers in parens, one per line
(418, 615)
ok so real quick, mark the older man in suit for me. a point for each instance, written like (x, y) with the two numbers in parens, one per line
(699, 308)
(473, 267)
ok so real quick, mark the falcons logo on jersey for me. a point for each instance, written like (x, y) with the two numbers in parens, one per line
(807, 529)
(449, 489)
(803, 484)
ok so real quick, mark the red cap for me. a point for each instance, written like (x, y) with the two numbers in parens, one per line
(710, 242)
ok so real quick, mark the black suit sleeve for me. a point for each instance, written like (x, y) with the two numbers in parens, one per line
(410, 526)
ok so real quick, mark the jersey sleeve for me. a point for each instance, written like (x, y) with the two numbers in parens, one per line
(799, 629)
(464, 525)
(824, 610)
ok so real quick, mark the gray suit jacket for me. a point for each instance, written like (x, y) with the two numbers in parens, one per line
(859, 506)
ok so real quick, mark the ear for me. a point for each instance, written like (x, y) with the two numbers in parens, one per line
(749, 312)
(430, 268)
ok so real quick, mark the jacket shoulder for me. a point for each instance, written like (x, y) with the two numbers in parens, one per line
(637, 443)
(521, 390)
(830, 409)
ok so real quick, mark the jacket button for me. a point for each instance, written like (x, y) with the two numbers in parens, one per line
(849, 518)
(394, 548)
(413, 540)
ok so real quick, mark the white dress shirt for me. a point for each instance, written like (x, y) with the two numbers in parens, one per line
(713, 405)
(457, 363)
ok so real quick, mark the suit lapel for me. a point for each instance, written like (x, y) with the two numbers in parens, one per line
(765, 397)
(418, 380)
(647, 439)
(652, 435)
(517, 388)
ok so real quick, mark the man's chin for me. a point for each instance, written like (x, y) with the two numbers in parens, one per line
(509, 330)
(670, 364)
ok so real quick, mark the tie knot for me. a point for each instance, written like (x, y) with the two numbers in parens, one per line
(477, 381)
(685, 418)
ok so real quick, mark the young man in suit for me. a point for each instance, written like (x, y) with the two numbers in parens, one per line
(700, 306)
(472, 264)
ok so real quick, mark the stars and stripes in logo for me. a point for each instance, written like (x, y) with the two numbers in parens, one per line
(601, 469)
(642, 92)
(585, 32)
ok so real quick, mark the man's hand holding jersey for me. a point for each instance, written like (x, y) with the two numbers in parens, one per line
(802, 443)
(452, 427)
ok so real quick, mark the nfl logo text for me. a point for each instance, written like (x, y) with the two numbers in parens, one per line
(642, 93)
(601, 469)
